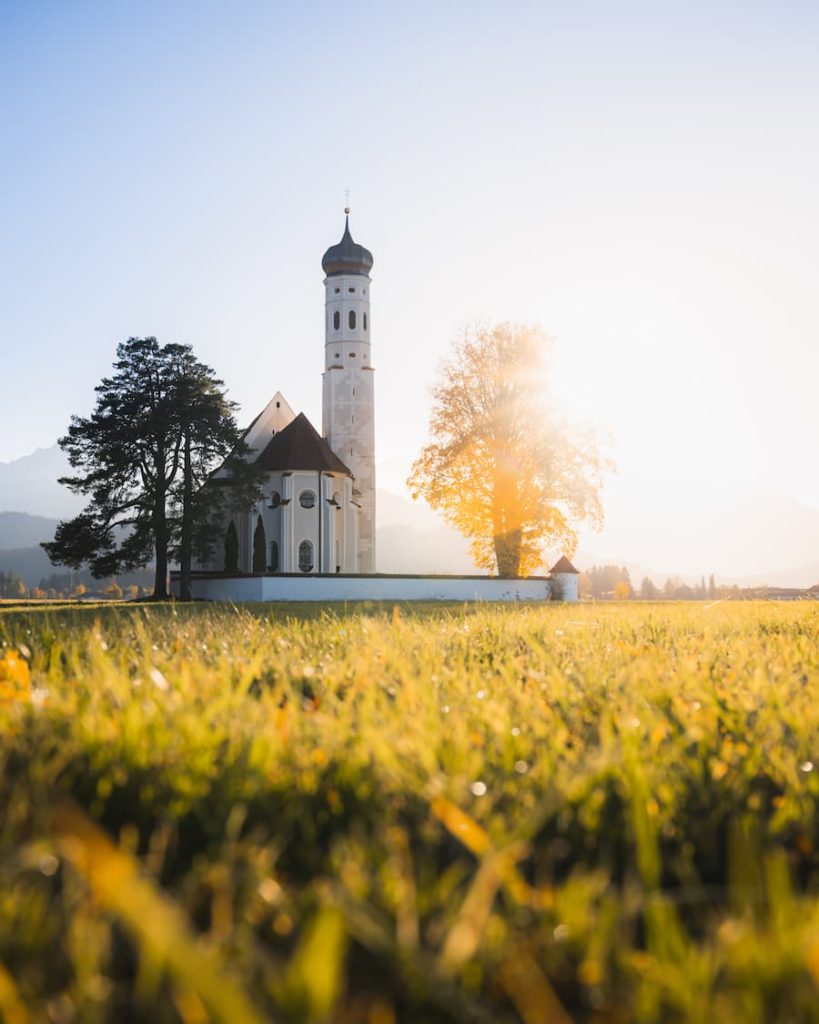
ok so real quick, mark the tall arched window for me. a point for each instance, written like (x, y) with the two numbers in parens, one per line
(365, 321)
(274, 557)
(351, 320)
(306, 556)
(336, 320)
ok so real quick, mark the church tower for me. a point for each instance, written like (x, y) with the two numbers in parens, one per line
(348, 414)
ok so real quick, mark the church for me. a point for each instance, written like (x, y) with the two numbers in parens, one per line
(318, 509)
(311, 535)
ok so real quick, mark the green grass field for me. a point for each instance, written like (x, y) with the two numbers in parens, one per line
(424, 814)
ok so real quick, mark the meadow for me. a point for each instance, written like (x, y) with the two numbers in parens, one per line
(422, 814)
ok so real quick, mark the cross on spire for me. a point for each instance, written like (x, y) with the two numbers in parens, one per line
(347, 201)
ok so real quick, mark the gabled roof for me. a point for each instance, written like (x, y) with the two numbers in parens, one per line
(299, 446)
(274, 417)
(563, 565)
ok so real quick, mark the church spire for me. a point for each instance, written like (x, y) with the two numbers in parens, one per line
(347, 257)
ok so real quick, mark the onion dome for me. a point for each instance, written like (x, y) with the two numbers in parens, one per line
(348, 257)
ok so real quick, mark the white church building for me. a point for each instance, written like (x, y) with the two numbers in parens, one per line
(311, 536)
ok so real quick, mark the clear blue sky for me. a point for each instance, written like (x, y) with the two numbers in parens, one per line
(639, 178)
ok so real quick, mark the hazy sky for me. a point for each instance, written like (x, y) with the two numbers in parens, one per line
(641, 179)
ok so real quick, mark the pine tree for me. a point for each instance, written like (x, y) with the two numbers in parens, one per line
(259, 547)
(231, 549)
(161, 418)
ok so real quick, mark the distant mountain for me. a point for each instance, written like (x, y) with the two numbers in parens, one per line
(20, 551)
(30, 564)
(412, 538)
(21, 530)
(30, 485)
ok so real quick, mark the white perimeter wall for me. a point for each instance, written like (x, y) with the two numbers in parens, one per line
(367, 588)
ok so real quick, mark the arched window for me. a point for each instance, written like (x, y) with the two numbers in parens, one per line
(274, 557)
(307, 499)
(351, 319)
(306, 556)
(336, 320)
(365, 321)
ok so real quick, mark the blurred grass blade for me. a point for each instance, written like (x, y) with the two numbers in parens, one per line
(12, 1010)
(465, 934)
(315, 973)
(157, 923)
(530, 991)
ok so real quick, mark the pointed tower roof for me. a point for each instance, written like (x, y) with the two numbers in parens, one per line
(348, 257)
(563, 565)
(300, 446)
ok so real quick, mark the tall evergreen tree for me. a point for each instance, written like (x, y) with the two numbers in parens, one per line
(157, 421)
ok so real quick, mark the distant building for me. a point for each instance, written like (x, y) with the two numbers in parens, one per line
(315, 522)
(318, 509)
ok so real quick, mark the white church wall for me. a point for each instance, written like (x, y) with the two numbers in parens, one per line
(368, 588)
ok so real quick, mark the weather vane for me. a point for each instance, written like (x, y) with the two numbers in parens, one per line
(347, 201)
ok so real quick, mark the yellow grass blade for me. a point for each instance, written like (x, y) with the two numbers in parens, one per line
(154, 920)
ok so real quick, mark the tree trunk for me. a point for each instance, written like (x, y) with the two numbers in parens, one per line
(186, 541)
(160, 542)
(507, 552)
(161, 574)
(506, 521)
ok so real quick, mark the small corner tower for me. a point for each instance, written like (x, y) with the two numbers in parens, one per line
(348, 413)
(564, 578)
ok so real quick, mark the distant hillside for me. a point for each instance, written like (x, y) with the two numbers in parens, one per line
(30, 485)
(30, 564)
(412, 538)
(21, 530)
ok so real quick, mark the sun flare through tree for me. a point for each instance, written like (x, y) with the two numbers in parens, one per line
(503, 466)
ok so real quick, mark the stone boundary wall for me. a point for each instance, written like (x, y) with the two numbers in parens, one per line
(217, 587)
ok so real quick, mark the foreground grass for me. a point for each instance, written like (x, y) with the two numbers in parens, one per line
(508, 814)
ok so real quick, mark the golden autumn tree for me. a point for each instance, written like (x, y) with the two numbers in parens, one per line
(503, 467)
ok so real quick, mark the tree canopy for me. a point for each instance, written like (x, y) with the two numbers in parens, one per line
(503, 466)
(160, 422)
